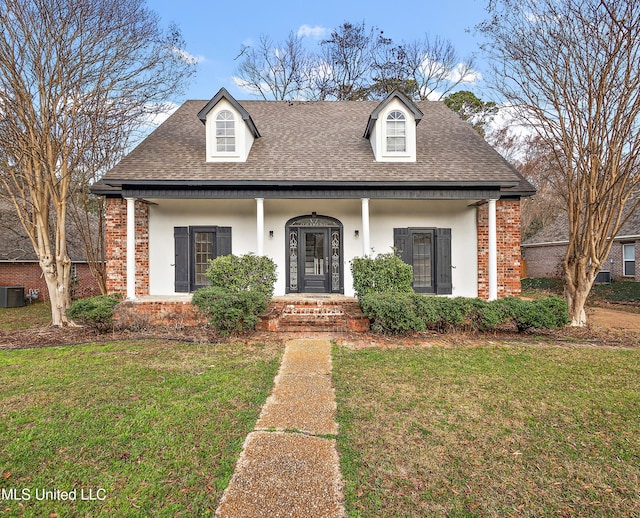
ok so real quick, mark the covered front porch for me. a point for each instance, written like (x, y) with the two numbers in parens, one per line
(305, 237)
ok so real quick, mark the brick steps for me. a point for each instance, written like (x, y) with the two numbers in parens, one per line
(331, 316)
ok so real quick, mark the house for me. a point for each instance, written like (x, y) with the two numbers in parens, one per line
(313, 185)
(19, 264)
(544, 251)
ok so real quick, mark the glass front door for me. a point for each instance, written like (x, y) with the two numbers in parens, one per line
(314, 255)
(316, 265)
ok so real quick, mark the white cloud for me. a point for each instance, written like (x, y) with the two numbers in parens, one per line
(244, 85)
(317, 32)
(187, 57)
(160, 114)
(461, 73)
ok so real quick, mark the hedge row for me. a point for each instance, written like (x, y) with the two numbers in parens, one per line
(396, 313)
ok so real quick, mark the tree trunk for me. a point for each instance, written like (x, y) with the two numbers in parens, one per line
(576, 299)
(57, 274)
(578, 281)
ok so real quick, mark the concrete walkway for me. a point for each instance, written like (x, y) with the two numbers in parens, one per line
(289, 464)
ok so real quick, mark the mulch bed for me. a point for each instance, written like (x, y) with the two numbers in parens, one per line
(46, 336)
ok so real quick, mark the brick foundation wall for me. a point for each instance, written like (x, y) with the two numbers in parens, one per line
(142, 314)
(116, 246)
(30, 276)
(508, 243)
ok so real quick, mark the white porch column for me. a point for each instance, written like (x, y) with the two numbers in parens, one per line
(493, 252)
(131, 248)
(366, 236)
(260, 226)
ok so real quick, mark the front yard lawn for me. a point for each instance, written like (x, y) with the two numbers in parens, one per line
(30, 315)
(151, 428)
(489, 431)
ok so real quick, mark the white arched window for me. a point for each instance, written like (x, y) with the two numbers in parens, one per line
(396, 132)
(225, 132)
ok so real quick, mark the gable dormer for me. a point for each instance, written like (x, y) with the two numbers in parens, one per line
(391, 129)
(230, 131)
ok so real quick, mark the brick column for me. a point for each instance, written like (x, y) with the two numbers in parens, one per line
(116, 246)
(508, 248)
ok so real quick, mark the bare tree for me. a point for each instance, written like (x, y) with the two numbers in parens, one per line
(77, 77)
(353, 63)
(348, 53)
(536, 162)
(274, 71)
(436, 68)
(571, 69)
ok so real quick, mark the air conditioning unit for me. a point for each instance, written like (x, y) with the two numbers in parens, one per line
(603, 277)
(11, 296)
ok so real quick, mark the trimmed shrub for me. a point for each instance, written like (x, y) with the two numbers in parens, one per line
(391, 313)
(382, 274)
(230, 311)
(406, 312)
(243, 273)
(95, 312)
(241, 286)
(488, 315)
(549, 313)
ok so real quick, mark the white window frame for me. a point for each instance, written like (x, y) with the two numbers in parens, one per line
(391, 122)
(631, 259)
(225, 133)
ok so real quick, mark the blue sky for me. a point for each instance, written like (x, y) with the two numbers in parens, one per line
(215, 31)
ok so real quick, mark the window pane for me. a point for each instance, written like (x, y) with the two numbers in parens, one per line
(203, 250)
(396, 144)
(226, 144)
(225, 132)
(396, 141)
(421, 260)
(630, 268)
(314, 254)
(628, 252)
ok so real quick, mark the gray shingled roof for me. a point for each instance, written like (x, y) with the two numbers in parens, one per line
(558, 230)
(317, 142)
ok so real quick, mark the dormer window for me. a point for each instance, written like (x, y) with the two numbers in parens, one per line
(225, 132)
(396, 132)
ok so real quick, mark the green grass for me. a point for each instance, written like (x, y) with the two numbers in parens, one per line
(617, 291)
(31, 315)
(157, 425)
(489, 431)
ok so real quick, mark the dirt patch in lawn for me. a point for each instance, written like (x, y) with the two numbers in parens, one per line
(614, 319)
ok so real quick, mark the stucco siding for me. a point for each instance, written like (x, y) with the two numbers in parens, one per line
(385, 215)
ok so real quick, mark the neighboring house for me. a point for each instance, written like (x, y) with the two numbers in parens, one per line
(313, 185)
(19, 265)
(544, 252)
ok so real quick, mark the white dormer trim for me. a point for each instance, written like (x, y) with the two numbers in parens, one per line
(381, 132)
(243, 137)
(244, 130)
(379, 128)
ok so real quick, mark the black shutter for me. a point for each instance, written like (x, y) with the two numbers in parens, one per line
(402, 244)
(443, 261)
(181, 262)
(223, 241)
